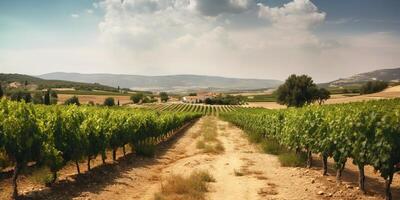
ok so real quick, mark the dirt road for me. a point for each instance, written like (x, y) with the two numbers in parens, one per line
(241, 172)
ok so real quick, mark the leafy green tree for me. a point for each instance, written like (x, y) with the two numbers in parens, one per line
(322, 95)
(373, 86)
(297, 91)
(72, 100)
(164, 96)
(1, 91)
(46, 99)
(37, 98)
(20, 95)
(109, 101)
(137, 97)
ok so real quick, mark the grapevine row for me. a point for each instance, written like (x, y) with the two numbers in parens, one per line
(204, 109)
(55, 135)
(366, 132)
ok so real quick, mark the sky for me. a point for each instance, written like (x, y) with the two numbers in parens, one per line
(235, 38)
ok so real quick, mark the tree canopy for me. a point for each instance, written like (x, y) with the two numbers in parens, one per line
(72, 100)
(164, 96)
(373, 86)
(137, 97)
(300, 90)
(109, 101)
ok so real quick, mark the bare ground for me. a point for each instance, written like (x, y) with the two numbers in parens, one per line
(241, 172)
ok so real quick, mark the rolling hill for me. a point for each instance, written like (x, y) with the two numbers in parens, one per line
(166, 83)
(389, 75)
(42, 83)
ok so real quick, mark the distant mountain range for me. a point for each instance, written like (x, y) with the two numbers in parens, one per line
(388, 75)
(166, 83)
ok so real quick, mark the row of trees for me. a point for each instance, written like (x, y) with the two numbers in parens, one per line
(140, 97)
(373, 87)
(226, 100)
(56, 135)
(366, 132)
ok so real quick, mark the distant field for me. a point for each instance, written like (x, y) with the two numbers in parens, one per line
(392, 92)
(97, 99)
(205, 109)
(85, 92)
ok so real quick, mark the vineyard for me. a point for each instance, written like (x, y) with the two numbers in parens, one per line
(368, 133)
(214, 110)
(52, 136)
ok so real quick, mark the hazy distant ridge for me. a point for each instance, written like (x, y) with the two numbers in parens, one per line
(169, 82)
(389, 75)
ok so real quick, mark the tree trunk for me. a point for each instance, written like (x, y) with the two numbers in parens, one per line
(103, 157)
(361, 178)
(339, 171)
(14, 180)
(343, 166)
(309, 159)
(88, 163)
(77, 167)
(54, 177)
(123, 150)
(388, 182)
(325, 165)
(114, 154)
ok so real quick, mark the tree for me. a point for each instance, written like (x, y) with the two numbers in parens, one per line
(164, 97)
(46, 99)
(297, 91)
(137, 97)
(193, 94)
(53, 94)
(373, 86)
(72, 100)
(21, 95)
(37, 98)
(109, 101)
(1, 91)
(322, 95)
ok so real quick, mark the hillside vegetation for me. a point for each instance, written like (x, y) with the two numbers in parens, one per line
(45, 84)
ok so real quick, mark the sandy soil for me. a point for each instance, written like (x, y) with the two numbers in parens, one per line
(241, 172)
(97, 99)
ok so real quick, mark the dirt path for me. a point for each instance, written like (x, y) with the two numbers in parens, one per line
(241, 172)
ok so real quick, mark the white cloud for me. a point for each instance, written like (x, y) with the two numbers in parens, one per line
(197, 36)
(298, 14)
(89, 11)
(75, 16)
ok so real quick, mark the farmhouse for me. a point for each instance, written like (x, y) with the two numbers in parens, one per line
(199, 98)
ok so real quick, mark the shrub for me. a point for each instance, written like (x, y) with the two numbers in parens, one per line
(193, 187)
(291, 159)
(272, 147)
(72, 100)
(109, 101)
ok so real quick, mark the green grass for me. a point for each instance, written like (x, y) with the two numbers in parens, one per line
(272, 147)
(262, 98)
(291, 159)
(40, 175)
